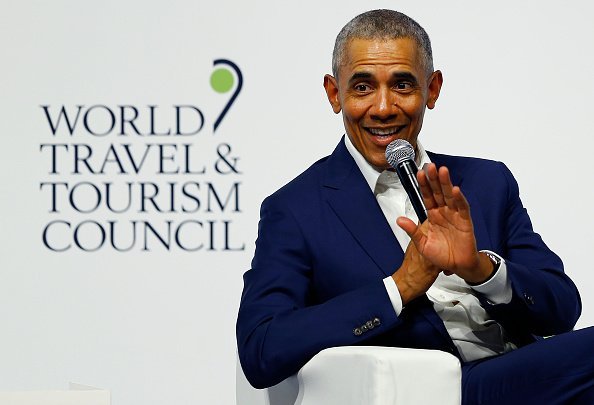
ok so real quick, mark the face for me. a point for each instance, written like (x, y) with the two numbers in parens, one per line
(382, 90)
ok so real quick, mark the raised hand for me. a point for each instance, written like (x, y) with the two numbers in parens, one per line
(447, 239)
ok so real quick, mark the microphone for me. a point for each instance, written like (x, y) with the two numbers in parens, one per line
(401, 156)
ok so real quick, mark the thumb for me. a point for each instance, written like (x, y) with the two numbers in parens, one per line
(407, 225)
(417, 233)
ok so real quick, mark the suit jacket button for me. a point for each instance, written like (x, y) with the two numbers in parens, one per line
(357, 332)
(364, 328)
(376, 322)
(529, 298)
(369, 325)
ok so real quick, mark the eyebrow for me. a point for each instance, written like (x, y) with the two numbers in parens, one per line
(360, 75)
(405, 76)
(396, 76)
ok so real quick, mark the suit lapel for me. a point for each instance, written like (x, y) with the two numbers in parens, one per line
(350, 197)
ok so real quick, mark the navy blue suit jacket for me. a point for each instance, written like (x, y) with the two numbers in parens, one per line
(324, 247)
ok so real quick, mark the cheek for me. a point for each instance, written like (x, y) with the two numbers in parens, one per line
(355, 110)
(413, 107)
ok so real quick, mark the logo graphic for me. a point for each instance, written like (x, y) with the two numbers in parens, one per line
(140, 177)
(222, 80)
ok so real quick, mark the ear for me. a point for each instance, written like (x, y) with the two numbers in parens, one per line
(331, 86)
(435, 82)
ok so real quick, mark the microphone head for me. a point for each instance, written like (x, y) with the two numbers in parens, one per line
(399, 151)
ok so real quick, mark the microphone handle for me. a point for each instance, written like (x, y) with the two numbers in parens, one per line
(407, 173)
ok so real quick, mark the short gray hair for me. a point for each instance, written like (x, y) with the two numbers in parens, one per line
(382, 24)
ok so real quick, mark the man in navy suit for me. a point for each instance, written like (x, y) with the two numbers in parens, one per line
(340, 259)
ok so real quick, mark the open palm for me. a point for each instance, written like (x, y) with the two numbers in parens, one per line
(446, 239)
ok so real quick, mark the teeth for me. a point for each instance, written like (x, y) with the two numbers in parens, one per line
(384, 131)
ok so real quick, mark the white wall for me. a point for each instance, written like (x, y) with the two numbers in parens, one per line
(158, 327)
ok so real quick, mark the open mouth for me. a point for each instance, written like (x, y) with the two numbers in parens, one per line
(385, 135)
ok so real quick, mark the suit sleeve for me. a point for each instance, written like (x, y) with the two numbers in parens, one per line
(281, 325)
(545, 301)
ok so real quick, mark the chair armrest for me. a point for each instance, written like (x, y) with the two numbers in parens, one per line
(355, 375)
(380, 375)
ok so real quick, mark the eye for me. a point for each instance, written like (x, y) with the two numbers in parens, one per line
(403, 86)
(362, 87)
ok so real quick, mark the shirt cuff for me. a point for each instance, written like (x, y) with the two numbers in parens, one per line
(394, 294)
(498, 288)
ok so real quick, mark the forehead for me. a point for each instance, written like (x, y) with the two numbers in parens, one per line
(362, 54)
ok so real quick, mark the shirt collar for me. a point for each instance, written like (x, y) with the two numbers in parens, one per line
(369, 172)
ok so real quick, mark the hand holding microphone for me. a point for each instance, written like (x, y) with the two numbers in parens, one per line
(447, 238)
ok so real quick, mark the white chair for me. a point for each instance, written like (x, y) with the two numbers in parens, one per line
(356, 375)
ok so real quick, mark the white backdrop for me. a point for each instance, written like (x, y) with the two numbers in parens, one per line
(157, 327)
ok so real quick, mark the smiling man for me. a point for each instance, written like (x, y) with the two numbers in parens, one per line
(340, 259)
(386, 86)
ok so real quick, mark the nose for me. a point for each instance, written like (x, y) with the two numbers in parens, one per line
(384, 107)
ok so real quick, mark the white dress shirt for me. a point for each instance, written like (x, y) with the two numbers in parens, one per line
(473, 332)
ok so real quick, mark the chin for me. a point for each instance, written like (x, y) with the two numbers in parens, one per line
(380, 164)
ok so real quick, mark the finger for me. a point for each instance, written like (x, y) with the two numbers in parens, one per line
(407, 225)
(461, 203)
(434, 183)
(445, 183)
(426, 191)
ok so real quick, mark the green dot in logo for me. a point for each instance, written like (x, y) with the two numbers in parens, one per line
(221, 80)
